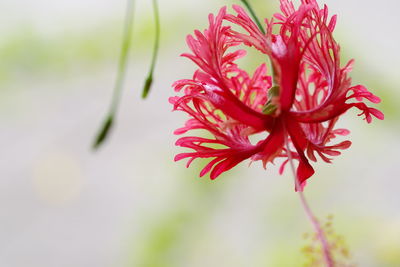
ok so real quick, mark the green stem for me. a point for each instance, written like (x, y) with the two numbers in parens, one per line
(149, 79)
(253, 14)
(122, 66)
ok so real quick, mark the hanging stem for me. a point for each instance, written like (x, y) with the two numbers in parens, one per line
(318, 229)
(253, 14)
(149, 79)
(122, 66)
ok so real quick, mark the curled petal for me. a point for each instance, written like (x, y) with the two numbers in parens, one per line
(304, 170)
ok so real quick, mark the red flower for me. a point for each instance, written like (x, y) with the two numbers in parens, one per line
(311, 90)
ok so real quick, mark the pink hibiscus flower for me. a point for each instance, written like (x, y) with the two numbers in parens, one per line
(299, 105)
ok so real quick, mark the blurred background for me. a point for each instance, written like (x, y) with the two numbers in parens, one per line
(129, 204)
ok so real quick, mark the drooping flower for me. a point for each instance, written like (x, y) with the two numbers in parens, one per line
(298, 104)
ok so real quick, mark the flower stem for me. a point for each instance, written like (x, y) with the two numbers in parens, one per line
(310, 214)
(122, 66)
(253, 14)
(149, 79)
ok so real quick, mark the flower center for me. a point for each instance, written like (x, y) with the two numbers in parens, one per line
(271, 106)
